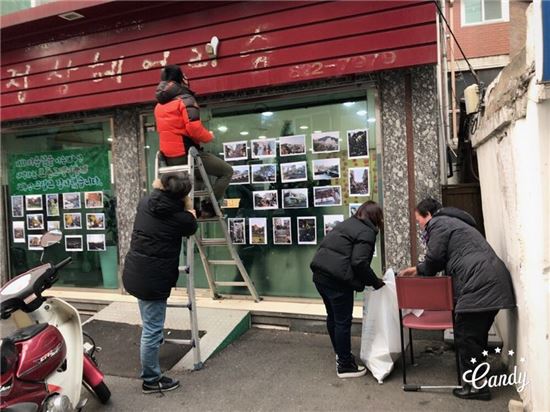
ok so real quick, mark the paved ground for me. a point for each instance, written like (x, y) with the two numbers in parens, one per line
(268, 370)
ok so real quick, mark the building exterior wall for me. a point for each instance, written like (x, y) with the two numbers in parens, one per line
(262, 44)
(482, 40)
(513, 147)
(397, 213)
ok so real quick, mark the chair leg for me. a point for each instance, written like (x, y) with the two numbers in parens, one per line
(402, 349)
(411, 345)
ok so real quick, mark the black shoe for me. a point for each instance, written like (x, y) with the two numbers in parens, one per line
(350, 369)
(469, 392)
(207, 210)
(164, 384)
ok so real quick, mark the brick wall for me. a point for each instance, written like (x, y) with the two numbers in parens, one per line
(481, 40)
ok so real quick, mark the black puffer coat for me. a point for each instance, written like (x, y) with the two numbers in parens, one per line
(151, 265)
(343, 259)
(481, 281)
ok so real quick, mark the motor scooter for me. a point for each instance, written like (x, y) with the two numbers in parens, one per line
(43, 363)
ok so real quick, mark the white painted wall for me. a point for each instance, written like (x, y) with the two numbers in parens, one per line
(514, 167)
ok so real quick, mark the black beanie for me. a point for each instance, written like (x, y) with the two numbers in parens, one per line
(176, 185)
(171, 72)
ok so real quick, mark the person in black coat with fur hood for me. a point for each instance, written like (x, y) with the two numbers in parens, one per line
(482, 284)
(340, 267)
(151, 266)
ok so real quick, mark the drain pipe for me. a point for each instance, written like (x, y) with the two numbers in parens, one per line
(442, 97)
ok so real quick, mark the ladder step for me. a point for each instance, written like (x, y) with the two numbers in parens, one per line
(186, 305)
(209, 219)
(222, 262)
(180, 341)
(201, 193)
(213, 242)
(179, 168)
(231, 284)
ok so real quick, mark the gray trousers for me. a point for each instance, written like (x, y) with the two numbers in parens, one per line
(214, 166)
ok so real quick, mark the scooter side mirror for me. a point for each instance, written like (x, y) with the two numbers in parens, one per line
(51, 238)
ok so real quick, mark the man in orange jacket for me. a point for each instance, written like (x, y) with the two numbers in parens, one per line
(177, 116)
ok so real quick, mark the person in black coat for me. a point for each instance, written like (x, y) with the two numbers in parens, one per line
(482, 284)
(340, 267)
(151, 266)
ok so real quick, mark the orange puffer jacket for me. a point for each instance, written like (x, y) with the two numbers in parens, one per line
(177, 116)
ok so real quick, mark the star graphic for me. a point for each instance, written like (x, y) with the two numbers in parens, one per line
(522, 360)
(511, 353)
(473, 361)
(497, 350)
(485, 353)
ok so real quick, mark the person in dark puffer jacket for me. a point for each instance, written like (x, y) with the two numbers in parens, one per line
(482, 284)
(177, 116)
(340, 267)
(151, 266)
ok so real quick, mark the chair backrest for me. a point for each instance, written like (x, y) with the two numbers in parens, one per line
(429, 293)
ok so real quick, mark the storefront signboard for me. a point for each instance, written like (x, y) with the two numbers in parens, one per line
(78, 170)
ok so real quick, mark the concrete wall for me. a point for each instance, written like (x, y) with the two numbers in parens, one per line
(513, 146)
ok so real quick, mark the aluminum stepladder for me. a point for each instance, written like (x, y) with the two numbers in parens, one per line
(194, 161)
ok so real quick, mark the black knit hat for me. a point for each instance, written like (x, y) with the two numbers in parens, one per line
(171, 72)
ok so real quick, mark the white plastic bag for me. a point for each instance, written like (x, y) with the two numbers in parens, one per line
(381, 341)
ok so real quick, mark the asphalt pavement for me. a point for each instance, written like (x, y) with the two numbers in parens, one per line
(273, 370)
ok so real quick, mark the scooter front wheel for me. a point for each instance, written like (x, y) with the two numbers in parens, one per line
(101, 391)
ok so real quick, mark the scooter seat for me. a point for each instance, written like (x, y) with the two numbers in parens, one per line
(28, 332)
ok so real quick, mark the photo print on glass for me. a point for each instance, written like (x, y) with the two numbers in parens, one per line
(93, 200)
(307, 230)
(330, 222)
(35, 221)
(241, 175)
(71, 200)
(18, 231)
(327, 196)
(95, 243)
(325, 142)
(95, 221)
(282, 231)
(53, 225)
(52, 204)
(17, 209)
(295, 199)
(233, 151)
(359, 181)
(264, 173)
(265, 199)
(324, 169)
(72, 220)
(237, 230)
(293, 172)
(33, 202)
(263, 148)
(292, 145)
(34, 242)
(353, 208)
(73, 243)
(358, 144)
(257, 230)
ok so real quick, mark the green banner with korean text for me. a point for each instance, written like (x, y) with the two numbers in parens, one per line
(77, 170)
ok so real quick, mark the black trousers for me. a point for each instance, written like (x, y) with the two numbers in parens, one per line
(471, 335)
(339, 306)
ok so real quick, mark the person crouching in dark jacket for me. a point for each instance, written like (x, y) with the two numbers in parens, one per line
(151, 266)
(340, 267)
(482, 284)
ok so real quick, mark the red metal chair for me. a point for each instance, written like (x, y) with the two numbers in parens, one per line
(435, 296)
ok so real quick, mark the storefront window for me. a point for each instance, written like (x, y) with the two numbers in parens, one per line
(59, 177)
(300, 166)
